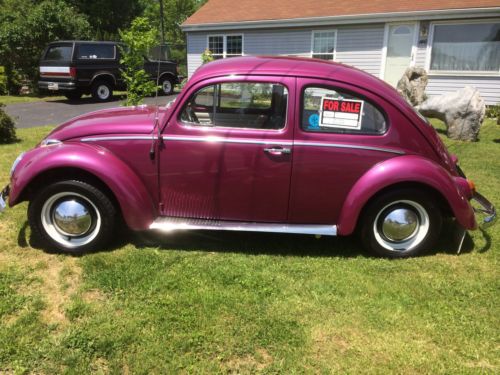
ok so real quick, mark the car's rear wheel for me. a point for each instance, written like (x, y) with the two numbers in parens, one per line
(73, 95)
(72, 217)
(102, 91)
(166, 86)
(401, 223)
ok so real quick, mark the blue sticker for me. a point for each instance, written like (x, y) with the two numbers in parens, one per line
(314, 121)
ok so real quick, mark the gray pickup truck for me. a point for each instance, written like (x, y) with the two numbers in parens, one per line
(74, 68)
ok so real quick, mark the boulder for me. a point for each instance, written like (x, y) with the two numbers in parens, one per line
(412, 85)
(462, 111)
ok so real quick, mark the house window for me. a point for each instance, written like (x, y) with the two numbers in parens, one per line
(223, 46)
(323, 44)
(471, 47)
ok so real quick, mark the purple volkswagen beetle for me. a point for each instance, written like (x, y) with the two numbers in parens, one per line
(258, 144)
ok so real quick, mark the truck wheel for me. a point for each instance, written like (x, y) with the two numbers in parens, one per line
(166, 86)
(72, 217)
(401, 223)
(102, 91)
(73, 95)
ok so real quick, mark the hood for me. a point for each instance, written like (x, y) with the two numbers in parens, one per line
(122, 120)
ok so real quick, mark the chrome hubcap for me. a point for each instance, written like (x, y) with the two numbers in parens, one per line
(72, 217)
(400, 224)
(103, 92)
(167, 87)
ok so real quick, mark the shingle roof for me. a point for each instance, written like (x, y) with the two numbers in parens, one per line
(222, 11)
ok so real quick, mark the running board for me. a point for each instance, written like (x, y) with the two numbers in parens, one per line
(169, 224)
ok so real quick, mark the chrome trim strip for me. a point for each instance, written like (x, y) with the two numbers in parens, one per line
(216, 139)
(120, 138)
(169, 224)
(342, 145)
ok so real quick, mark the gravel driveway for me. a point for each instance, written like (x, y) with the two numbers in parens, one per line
(28, 115)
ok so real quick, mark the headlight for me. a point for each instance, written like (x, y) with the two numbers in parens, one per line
(49, 142)
(16, 162)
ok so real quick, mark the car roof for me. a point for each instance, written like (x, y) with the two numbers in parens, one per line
(298, 67)
(84, 41)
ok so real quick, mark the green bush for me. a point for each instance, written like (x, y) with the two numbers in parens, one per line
(493, 111)
(7, 127)
(139, 39)
(3, 81)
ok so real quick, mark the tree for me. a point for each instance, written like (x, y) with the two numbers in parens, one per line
(175, 13)
(139, 40)
(27, 26)
(107, 17)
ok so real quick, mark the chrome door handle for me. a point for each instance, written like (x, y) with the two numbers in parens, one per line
(278, 150)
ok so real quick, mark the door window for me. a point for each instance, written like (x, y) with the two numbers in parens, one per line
(238, 105)
(329, 110)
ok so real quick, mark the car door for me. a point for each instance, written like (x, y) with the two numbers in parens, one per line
(227, 151)
(341, 133)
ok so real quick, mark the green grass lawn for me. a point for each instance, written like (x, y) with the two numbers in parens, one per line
(209, 302)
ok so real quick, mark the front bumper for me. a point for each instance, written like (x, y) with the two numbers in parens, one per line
(486, 213)
(3, 198)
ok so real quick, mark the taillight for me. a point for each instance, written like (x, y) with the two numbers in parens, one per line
(72, 72)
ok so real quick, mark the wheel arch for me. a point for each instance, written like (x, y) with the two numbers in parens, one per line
(94, 165)
(169, 74)
(395, 174)
(103, 76)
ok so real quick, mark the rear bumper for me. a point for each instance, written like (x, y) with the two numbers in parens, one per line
(61, 86)
(486, 214)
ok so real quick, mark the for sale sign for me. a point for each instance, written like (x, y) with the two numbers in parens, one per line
(337, 113)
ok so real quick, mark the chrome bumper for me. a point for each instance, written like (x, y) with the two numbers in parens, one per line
(484, 209)
(3, 197)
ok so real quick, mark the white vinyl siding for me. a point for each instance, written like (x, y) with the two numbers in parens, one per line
(357, 45)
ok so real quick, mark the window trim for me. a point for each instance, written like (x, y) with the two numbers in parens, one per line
(77, 52)
(462, 73)
(347, 91)
(224, 44)
(192, 125)
(313, 32)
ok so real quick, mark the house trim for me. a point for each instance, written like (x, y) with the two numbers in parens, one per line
(428, 15)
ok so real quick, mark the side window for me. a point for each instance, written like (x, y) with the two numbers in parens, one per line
(59, 53)
(96, 51)
(330, 111)
(238, 105)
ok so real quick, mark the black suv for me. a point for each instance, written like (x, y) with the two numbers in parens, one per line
(74, 68)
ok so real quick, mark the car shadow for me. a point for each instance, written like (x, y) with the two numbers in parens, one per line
(253, 243)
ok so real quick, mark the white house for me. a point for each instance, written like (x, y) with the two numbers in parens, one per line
(456, 41)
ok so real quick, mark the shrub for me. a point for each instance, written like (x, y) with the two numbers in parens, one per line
(207, 56)
(493, 111)
(3, 81)
(7, 127)
(139, 39)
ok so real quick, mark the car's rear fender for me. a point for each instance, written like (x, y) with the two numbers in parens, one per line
(129, 191)
(409, 170)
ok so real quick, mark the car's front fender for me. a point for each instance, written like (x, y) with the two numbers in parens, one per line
(406, 169)
(135, 202)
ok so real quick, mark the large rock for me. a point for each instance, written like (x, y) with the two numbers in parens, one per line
(462, 111)
(412, 85)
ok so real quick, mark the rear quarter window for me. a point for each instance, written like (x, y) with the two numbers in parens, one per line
(59, 53)
(328, 110)
(95, 51)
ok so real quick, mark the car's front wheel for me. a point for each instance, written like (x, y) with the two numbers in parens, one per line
(401, 223)
(72, 217)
